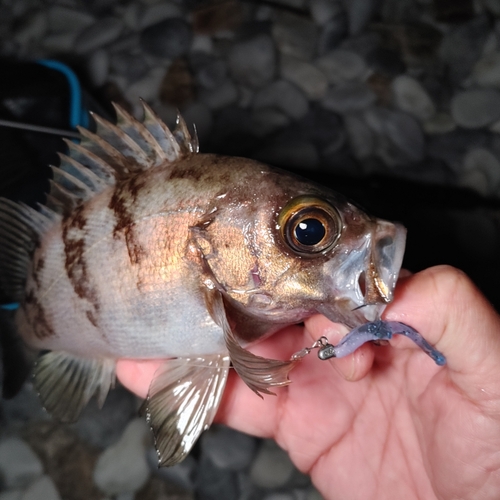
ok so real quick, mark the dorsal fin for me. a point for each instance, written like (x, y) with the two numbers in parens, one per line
(113, 152)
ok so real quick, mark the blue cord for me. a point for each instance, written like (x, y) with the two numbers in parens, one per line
(78, 116)
(10, 307)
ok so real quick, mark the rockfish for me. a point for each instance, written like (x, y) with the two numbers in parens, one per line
(146, 249)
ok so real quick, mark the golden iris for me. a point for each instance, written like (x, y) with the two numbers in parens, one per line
(309, 225)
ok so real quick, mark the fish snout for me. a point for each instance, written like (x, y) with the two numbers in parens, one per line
(377, 282)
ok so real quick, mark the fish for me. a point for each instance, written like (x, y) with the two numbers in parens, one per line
(146, 248)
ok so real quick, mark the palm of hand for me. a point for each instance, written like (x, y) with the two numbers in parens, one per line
(403, 431)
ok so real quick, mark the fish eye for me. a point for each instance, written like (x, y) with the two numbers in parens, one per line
(309, 225)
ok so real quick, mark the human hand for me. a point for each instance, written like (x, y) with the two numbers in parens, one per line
(385, 422)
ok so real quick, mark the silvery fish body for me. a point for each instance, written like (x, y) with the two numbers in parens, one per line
(147, 249)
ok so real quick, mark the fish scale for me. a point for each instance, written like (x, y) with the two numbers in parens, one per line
(148, 249)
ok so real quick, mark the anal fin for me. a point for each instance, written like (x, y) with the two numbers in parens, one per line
(65, 383)
(182, 401)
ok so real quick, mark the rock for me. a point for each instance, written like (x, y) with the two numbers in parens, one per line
(307, 77)
(342, 66)
(11, 495)
(102, 32)
(360, 136)
(146, 88)
(348, 98)
(44, 488)
(213, 483)
(410, 96)
(217, 18)
(123, 467)
(332, 33)
(253, 62)
(129, 64)
(314, 495)
(66, 459)
(452, 147)
(272, 467)
(400, 139)
(462, 46)
(486, 72)
(177, 87)
(210, 72)
(323, 11)
(202, 43)
(280, 496)
(18, 463)
(246, 96)
(153, 14)
(492, 5)
(476, 108)
(386, 62)
(98, 67)
(359, 13)
(322, 127)
(101, 427)
(265, 121)
(484, 161)
(61, 42)
(64, 19)
(169, 39)
(220, 97)
(32, 29)
(182, 474)
(227, 448)
(132, 14)
(21, 409)
(475, 180)
(440, 123)
(295, 35)
(381, 86)
(284, 96)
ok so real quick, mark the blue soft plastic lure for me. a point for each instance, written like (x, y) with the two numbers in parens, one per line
(378, 331)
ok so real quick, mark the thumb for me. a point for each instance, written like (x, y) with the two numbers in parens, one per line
(445, 306)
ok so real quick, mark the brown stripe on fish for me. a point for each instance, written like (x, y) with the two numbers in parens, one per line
(73, 235)
(122, 203)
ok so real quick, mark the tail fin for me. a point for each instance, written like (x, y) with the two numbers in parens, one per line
(19, 230)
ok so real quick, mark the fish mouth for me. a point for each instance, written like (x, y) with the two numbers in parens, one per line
(365, 280)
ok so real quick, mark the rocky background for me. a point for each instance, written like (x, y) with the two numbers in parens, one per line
(395, 101)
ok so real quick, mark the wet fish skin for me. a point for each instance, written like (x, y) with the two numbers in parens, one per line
(148, 249)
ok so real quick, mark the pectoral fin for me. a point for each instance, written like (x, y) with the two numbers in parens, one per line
(182, 401)
(257, 372)
(65, 383)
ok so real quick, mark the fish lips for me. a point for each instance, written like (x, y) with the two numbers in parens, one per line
(363, 278)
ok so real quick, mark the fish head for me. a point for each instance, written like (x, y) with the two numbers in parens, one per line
(287, 249)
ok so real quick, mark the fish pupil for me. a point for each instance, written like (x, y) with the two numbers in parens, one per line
(310, 232)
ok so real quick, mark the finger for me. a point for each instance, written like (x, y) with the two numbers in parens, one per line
(136, 375)
(450, 312)
(241, 408)
(353, 367)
